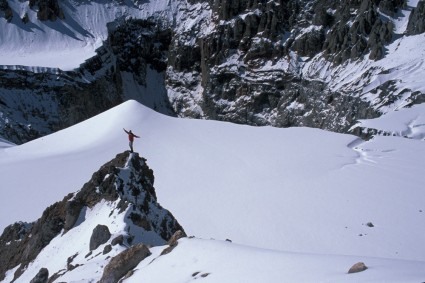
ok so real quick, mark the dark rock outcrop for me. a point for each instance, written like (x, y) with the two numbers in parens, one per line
(41, 277)
(118, 240)
(20, 243)
(390, 7)
(283, 101)
(173, 242)
(58, 100)
(176, 236)
(123, 263)
(416, 23)
(107, 249)
(6, 10)
(100, 236)
(145, 43)
(367, 32)
(47, 9)
(228, 61)
(41, 233)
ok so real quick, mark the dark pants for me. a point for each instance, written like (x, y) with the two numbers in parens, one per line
(131, 145)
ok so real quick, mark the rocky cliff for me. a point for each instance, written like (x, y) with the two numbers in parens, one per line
(115, 211)
(279, 63)
(37, 101)
(34, 104)
(251, 66)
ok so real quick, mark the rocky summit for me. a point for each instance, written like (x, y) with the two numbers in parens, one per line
(112, 221)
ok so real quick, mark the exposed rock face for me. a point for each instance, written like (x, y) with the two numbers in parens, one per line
(10, 243)
(139, 49)
(229, 63)
(417, 20)
(176, 236)
(47, 9)
(41, 277)
(239, 61)
(36, 104)
(123, 263)
(144, 42)
(5, 10)
(118, 240)
(100, 236)
(390, 7)
(125, 180)
(367, 33)
(37, 237)
(173, 242)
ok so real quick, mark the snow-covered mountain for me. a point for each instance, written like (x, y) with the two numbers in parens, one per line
(298, 204)
(321, 64)
(118, 205)
(260, 204)
(42, 86)
(67, 41)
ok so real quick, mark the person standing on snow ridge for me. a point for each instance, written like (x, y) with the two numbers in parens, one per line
(131, 137)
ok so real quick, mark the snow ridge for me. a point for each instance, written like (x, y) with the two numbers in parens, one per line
(121, 199)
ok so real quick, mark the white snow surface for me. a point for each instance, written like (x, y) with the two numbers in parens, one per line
(218, 261)
(67, 43)
(402, 66)
(406, 122)
(295, 202)
(5, 143)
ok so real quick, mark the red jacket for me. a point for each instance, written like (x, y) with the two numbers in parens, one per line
(131, 136)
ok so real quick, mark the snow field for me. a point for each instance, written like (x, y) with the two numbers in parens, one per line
(296, 201)
(220, 261)
(302, 197)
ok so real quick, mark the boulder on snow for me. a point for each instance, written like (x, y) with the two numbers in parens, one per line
(100, 236)
(358, 267)
(41, 277)
(119, 240)
(172, 242)
(176, 236)
(107, 249)
(121, 264)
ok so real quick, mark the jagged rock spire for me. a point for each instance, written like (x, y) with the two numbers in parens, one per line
(125, 184)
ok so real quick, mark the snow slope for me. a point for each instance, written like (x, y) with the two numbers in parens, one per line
(403, 66)
(67, 43)
(406, 122)
(217, 261)
(5, 143)
(304, 198)
(296, 189)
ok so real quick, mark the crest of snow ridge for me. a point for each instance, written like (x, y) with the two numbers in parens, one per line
(248, 62)
(125, 184)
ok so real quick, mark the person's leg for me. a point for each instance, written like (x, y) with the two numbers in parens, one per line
(131, 146)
